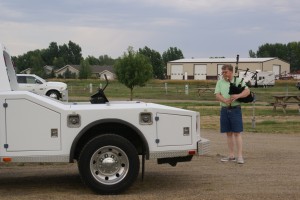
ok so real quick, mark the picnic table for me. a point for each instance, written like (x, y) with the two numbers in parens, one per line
(285, 100)
(201, 90)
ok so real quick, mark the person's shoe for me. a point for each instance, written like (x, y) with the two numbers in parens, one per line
(240, 160)
(226, 159)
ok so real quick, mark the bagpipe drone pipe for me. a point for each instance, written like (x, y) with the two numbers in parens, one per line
(237, 88)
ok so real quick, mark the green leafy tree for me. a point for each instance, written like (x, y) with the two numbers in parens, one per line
(294, 55)
(50, 54)
(173, 53)
(74, 53)
(55, 55)
(156, 62)
(133, 69)
(289, 52)
(106, 60)
(85, 71)
(59, 62)
(71, 53)
(252, 54)
(92, 60)
(37, 64)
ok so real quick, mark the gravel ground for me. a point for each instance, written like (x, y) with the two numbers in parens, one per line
(271, 171)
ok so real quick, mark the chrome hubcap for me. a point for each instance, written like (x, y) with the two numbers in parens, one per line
(109, 165)
(53, 95)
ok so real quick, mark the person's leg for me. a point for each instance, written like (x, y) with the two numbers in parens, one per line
(239, 144)
(230, 143)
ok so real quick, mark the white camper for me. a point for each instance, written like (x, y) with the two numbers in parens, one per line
(263, 79)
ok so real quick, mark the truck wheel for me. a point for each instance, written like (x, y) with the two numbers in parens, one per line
(53, 94)
(108, 164)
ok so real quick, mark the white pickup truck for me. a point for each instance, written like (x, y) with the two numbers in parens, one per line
(36, 84)
(106, 139)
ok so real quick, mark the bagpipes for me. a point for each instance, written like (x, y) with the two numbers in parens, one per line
(238, 88)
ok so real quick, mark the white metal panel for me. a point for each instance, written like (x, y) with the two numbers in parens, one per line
(29, 126)
(176, 72)
(200, 72)
(170, 129)
(8, 79)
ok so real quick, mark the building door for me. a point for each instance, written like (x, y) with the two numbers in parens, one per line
(176, 72)
(200, 72)
(219, 71)
(276, 71)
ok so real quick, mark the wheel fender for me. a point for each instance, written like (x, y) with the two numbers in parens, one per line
(103, 121)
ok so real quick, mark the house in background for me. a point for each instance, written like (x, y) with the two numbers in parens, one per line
(73, 69)
(97, 71)
(48, 69)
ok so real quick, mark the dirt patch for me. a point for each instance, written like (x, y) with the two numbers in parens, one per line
(271, 171)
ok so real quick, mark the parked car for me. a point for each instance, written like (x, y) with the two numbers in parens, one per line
(35, 84)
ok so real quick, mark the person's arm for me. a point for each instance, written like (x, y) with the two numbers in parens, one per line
(243, 94)
(220, 98)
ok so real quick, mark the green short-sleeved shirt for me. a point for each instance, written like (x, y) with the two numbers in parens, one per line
(223, 88)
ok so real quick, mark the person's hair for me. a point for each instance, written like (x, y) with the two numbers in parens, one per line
(227, 66)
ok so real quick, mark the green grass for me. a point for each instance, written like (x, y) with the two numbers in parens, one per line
(267, 120)
(287, 127)
(175, 90)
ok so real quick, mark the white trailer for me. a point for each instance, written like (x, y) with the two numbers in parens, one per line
(263, 79)
(104, 138)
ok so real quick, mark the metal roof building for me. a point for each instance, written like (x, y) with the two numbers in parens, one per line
(210, 68)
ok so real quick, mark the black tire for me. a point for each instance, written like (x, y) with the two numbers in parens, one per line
(108, 164)
(53, 94)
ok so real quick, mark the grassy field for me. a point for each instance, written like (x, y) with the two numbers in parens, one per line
(258, 117)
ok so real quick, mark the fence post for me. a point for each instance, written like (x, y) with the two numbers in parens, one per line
(186, 89)
(166, 88)
(91, 87)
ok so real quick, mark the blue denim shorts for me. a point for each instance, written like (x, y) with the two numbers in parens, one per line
(231, 120)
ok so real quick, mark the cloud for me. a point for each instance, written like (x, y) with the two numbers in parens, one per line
(93, 40)
(198, 27)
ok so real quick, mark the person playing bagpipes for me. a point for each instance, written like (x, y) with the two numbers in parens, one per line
(231, 121)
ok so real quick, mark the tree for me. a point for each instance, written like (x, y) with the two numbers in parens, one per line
(58, 62)
(92, 60)
(37, 64)
(50, 54)
(71, 53)
(106, 60)
(133, 69)
(289, 52)
(252, 54)
(85, 69)
(156, 62)
(74, 53)
(53, 55)
(172, 54)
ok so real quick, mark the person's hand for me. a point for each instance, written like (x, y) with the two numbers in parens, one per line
(234, 97)
(228, 101)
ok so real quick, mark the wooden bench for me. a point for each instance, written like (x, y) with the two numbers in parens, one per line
(202, 90)
(282, 101)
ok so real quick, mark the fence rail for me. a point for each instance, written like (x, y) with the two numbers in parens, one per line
(171, 91)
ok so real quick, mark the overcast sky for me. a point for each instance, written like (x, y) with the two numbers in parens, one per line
(200, 28)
